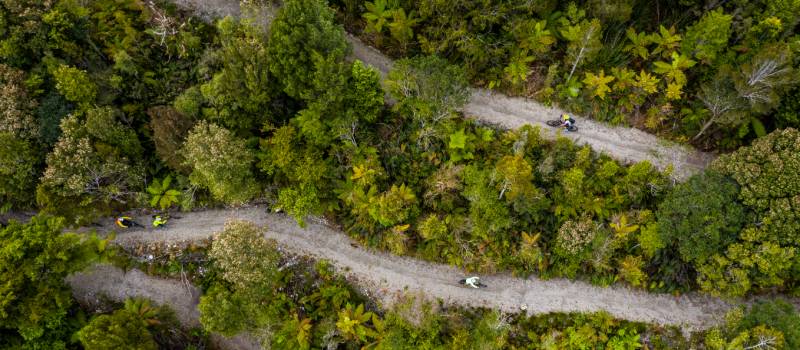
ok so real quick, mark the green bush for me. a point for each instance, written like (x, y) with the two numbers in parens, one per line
(51, 111)
(36, 306)
(303, 32)
(777, 314)
(220, 162)
(170, 129)
(768, 172)
(19, 171)
(120, 330)
(74, 84)
(701, 216)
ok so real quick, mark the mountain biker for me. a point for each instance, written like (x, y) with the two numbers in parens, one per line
(159, 221)
(125, 221)
(566, 121)
(473, 281)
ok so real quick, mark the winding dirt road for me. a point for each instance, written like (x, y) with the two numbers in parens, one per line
(622, 143)
(385, 275)
(96, 283)
(388, 275)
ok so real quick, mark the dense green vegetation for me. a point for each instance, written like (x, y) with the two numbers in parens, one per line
(116, 104)
(36, 306)
(713, 73)
(37, 310)
(137, 324)
(183, 114)
(289, 302)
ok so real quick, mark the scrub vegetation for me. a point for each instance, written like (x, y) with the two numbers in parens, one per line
(111, 105)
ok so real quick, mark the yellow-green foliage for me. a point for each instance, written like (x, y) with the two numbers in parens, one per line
(221, 162)
(244, 258)
(16, 105)
(768, 172)
(35, 258)
(74, 84)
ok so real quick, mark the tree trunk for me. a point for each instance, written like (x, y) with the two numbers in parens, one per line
(578, 59)
(575, 65)
(503, 191)
(705, 126)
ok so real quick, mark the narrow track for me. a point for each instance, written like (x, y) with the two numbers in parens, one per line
(622, 143)
(385, 275)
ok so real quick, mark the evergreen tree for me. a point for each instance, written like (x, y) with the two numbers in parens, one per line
(303, 33)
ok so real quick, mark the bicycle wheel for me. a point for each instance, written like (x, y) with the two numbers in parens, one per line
(553, 123)
(573, 128)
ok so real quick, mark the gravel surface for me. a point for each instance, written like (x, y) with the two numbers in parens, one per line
(622, 143)
(387, 275)
(91, 286)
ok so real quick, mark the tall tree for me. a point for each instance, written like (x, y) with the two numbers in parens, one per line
(75, 84)
(583, 36)
(238, 95)
(16, 106)
(343, 99)
(429, 90)
(29, 28)
(220, 162)
(701, 217)
(708, 36)
(302, 29)
(94, 164)
(248, 263)
(299, 170)
(767, 172)
(170, 128)
(119, 330)
(487, 213)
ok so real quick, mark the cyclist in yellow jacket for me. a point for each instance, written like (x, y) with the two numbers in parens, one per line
(159, 221)
(126, 222)
(566, 121)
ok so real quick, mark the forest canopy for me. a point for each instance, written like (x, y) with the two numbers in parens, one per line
(109, 106)
(716, 74)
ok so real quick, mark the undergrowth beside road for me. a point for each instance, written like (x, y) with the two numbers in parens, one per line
(307, 305)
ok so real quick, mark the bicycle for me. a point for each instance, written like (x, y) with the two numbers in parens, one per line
(557, 123)
(463, 281)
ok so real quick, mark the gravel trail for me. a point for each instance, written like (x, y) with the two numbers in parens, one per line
(385, 275)
(93, 285)
(622, 143)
